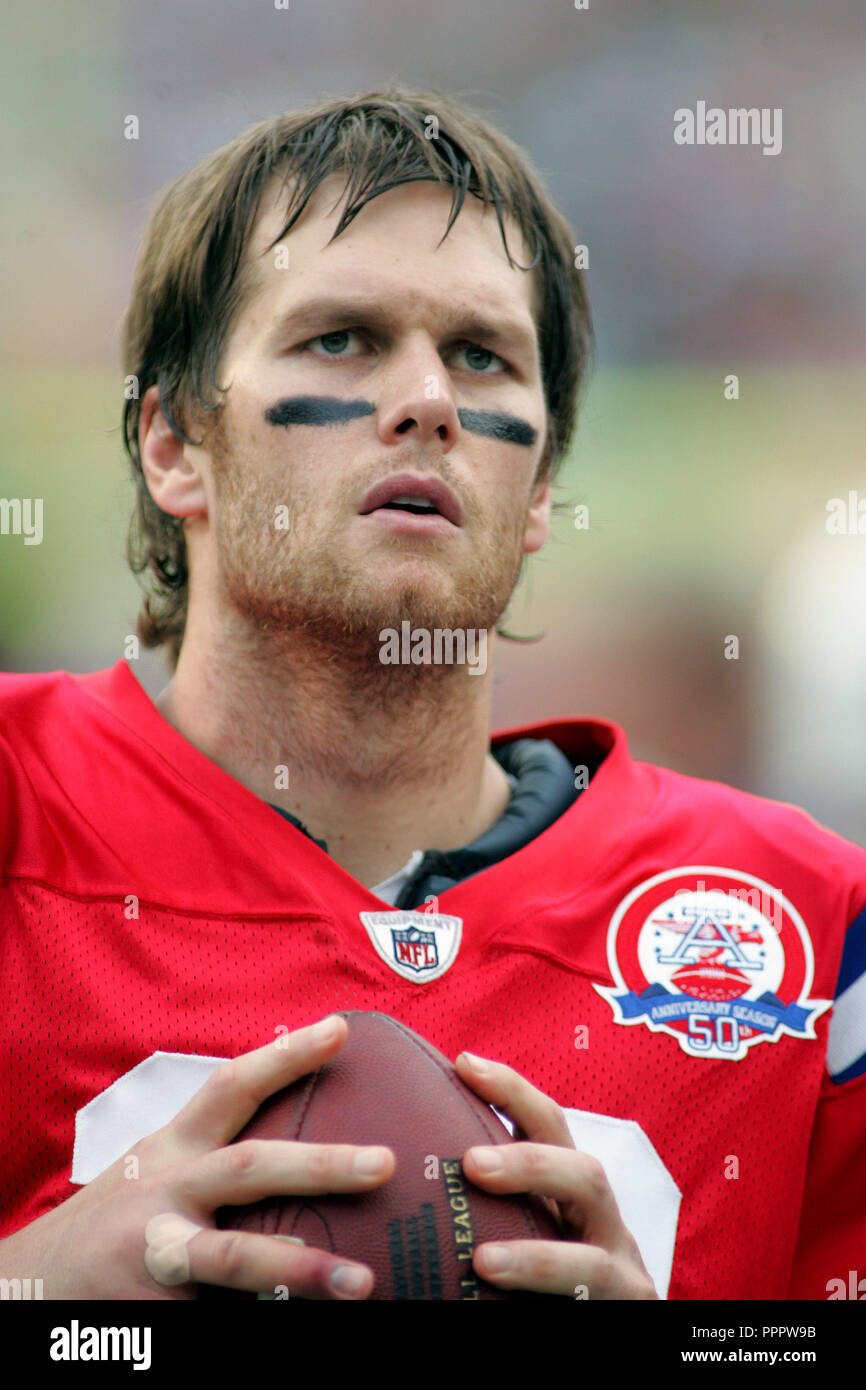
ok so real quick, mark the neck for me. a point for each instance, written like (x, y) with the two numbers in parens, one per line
(376, 760)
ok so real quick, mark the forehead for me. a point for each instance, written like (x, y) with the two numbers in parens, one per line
(391, 250)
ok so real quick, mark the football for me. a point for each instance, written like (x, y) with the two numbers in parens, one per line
(387, 1085)
(711, 982)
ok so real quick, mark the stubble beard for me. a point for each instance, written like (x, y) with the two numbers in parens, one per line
(296, 589)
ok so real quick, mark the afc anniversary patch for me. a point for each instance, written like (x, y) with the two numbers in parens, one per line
(716, 958)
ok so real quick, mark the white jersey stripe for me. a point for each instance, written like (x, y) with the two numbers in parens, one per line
(846, 1041)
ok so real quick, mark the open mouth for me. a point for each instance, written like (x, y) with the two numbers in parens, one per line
(425, 497)
(418, 506)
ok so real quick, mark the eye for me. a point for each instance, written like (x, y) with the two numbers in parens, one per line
(334, 343)
(481, 359)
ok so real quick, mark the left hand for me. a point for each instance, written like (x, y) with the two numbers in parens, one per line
(598, 1252)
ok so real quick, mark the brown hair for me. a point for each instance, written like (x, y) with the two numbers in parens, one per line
(191, 278)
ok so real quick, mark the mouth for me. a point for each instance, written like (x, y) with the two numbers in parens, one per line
(410, 501)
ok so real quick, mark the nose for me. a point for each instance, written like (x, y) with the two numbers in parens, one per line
(415, 399)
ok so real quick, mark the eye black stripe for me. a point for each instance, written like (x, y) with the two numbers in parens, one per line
(316, 410)
(495, 424)
(329, 410)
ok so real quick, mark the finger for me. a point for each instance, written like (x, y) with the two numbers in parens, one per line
(537, 1116)
(576, 1181)
(266, 1264)
(565, 1267)
(258, 1168)
(233, 1093)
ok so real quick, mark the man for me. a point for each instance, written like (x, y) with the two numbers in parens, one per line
(355, 344)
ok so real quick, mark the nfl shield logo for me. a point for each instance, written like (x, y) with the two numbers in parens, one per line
(414, 949)
(420, 946)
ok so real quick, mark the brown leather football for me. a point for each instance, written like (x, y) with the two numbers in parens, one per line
(418, 1231)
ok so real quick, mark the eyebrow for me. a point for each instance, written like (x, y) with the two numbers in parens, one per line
(508, 333)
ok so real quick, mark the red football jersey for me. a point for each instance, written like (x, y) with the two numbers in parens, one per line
(663, 961)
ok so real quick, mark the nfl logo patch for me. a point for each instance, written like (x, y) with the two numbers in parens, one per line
(415, 949)
(420, 946)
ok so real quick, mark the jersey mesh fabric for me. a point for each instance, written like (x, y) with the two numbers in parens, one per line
(114, 990)
(149, 903)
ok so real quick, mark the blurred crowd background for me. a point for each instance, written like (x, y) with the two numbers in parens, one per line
(707, 515)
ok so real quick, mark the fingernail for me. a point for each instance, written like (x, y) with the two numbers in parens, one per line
(348, 1279)
(475, 1063)
(370, 1161)
(496, 1258)
(488, 1160)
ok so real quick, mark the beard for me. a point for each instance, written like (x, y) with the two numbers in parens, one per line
(299, 587)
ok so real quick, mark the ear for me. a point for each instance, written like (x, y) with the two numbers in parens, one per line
(538, 521)
(174, 481)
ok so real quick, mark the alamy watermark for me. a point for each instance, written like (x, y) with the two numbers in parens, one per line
(846, 518)
(77, 1343)
(22, 516)
(20, 1289)
(761, 902)
(740, 125)
(421, 646)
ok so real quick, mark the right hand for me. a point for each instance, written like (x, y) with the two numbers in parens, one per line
(92, 1245)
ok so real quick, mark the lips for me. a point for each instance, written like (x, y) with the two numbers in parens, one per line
(410, 485)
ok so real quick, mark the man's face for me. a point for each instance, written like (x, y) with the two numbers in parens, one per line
(411, 333)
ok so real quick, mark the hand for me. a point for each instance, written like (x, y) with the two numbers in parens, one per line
(93, 1245)
(599, 1254)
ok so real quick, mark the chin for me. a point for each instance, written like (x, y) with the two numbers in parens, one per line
(336, 597)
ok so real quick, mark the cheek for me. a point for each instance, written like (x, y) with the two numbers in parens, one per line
(512, 492)
(531, 516)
